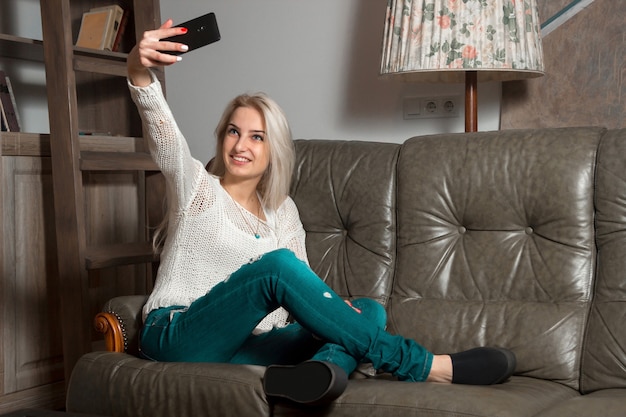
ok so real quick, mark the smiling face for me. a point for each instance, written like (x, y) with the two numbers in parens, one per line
(245, 148)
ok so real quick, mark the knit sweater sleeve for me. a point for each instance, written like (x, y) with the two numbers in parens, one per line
(168, 146)
(291, 234)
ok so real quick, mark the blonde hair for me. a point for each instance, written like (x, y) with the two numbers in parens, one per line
(275, 183)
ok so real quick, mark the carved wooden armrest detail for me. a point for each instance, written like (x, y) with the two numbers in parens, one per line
(113, 330)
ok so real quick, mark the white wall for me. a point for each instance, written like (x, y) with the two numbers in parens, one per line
(22, 18)
(318, 59)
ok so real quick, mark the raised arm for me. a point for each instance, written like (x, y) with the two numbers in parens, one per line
(168, 146)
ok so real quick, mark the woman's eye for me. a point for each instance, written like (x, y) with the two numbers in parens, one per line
(257, 138)
(233, 131)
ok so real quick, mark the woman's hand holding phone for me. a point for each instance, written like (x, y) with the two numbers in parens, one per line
(163, 46)
(152, 51)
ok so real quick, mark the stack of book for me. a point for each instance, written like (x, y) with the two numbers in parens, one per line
(8, 108)
(102, 28)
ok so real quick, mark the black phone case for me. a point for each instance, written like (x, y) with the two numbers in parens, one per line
(201, 31)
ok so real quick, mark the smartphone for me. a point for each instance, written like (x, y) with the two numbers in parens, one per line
(201, 31)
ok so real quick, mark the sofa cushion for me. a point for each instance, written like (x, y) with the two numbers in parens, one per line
(604, 362)
(496, 245)
(345, 191)
(122, 385)
(605, 403)
(520, 397)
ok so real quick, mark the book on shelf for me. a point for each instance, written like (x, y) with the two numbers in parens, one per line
(121, 30)
(99, 27)
(10, 117)
(112, 30)
(3, 125)
(93, 29)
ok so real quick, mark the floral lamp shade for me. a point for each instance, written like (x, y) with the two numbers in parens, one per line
(440, 40)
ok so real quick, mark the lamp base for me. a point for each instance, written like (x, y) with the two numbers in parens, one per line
(471, 101)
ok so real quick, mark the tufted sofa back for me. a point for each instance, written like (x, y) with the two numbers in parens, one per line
(496, 245)
(346, 194)
(604, 358)
(481, 239)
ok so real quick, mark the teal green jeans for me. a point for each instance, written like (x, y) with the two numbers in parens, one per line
(218, 326)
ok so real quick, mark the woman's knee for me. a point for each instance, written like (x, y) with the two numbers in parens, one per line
(283, 260)
(278, 255)
(372, 310)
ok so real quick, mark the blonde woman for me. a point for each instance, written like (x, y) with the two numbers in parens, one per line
(234, 262)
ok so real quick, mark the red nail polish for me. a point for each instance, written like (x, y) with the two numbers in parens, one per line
(184, 30)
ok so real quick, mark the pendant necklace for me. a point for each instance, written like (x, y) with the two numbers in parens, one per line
(245, 218)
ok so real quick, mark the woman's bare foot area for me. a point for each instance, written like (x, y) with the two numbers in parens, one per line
(441, 369)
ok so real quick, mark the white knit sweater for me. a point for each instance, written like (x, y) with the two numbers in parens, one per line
(209, 234)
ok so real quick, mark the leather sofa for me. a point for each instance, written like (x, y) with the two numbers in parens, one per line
(511, 238)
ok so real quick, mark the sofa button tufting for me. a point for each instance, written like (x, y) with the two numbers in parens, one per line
(462, 230)
(529, 230)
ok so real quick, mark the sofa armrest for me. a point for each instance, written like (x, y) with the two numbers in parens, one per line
(120, 322)
(109, 325)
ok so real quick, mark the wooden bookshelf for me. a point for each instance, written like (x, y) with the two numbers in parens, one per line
(77, 203)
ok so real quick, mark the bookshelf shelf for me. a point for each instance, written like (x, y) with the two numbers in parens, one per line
(17, 47)
(100, 62)
(117, 161)
(107, 256)
(97, 53)
(25, 144)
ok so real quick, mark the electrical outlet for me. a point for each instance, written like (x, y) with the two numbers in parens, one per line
(431, 107)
